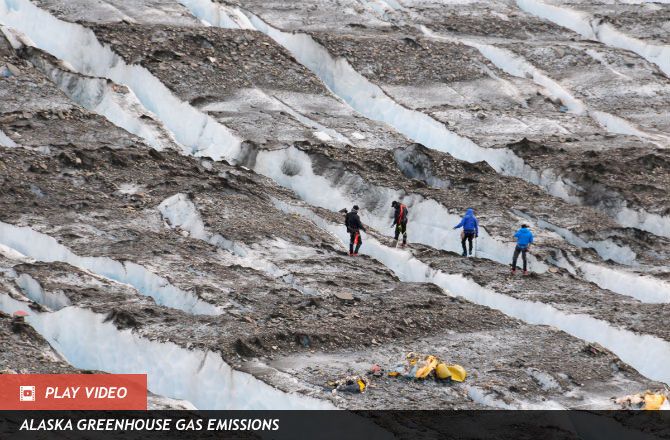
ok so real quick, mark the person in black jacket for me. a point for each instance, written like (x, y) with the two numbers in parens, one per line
(400, 222)
(354, 227)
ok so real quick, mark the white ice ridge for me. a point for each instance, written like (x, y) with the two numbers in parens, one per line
(79, 47)
(6, 141)
(644, 288)
(33, 290)
(594, 29)
(516, 65)
(431, 222)
(115, 102)
(607, 249)
(641, 219)
(182, 212)
(202, 378)
(42, 247)
(647, 354)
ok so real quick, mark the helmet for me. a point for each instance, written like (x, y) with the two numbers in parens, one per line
(394, 204)
(355, 208)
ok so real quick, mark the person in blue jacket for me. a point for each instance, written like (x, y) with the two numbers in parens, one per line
(523, 240)
(470, 227)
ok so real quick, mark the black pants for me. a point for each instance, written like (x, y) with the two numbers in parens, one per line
(517, 251)
(355, 241)
(469, 236)
(401, 228)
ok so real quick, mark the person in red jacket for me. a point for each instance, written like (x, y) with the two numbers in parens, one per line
(400, 221)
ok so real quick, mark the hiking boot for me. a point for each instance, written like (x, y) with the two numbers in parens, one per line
(464, 254)
(355, 254)
(513, 271)
(351, 254)
(525, 272)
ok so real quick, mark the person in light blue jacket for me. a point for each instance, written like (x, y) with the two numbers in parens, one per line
(523, 240)
(470, 227)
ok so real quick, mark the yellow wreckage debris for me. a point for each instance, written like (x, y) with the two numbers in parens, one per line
(350, 384)
(361, 385)
(415, 367)
(423, 367)
(645, 401)
(428, 367)
(653, 401)
(456, 372)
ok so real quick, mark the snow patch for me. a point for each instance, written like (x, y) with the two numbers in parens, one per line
(480, 396)
(545, 380)
(129, 188)
(322, 136)
(6, 141)
(42, 247)
(489, 399)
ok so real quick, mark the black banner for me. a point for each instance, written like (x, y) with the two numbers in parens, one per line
(412, 425)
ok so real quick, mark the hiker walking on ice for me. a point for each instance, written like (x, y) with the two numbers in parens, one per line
(470, 227)
(523, 240)
(400, 222)
(354, 227)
